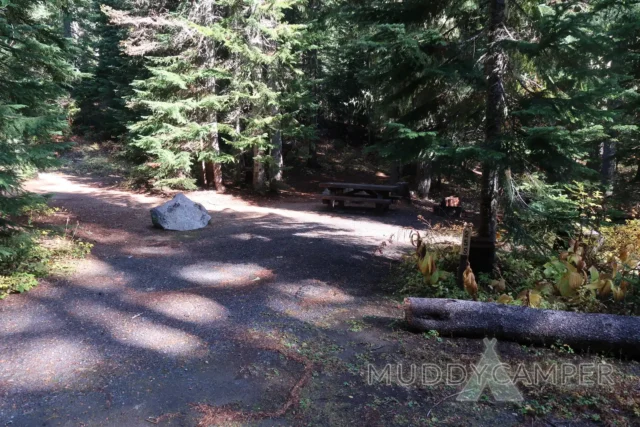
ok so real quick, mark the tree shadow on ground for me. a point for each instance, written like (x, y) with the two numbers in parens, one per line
(156, 320)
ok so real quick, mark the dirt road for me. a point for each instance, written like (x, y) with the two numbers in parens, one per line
(154, 321)
(269, 316)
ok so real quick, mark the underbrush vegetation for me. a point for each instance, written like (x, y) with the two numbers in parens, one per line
(28, 253)
(590, 275)
(101, 160)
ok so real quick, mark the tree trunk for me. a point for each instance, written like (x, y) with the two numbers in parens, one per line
(202, 174)
(260, 73)
(489, 202)
(608, 166)
(496, 114)
(424, 179)
(67, 22)
(276, 154)
(209, 174)
(275, 172)
(437, 185)
(637, 178)
(595, 158)
(213, 170)
(312, 160)
(259, 173)
(590, 332)
(217, 166)
(395, 173)
(242, 173)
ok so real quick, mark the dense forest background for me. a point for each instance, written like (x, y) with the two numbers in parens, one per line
(533, 104)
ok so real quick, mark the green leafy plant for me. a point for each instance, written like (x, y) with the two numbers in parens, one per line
(28, 255)
(427, 261)
(432, 334)
(18, 282)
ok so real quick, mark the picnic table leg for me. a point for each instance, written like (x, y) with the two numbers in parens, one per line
(332, 202)
(387, 194)
(340, 203)
(381, 207)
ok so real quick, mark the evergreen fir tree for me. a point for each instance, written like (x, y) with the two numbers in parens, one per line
(545, 81)
(217, 69)
(34, 76)
(421, 76)
(101, 97)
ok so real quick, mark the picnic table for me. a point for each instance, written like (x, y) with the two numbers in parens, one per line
(340, 192)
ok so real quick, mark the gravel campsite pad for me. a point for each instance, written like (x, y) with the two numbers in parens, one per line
(268, 316)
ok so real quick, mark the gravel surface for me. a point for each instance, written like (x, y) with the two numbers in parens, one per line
(154, 321)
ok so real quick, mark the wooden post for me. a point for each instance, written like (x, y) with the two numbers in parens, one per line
(465, 248)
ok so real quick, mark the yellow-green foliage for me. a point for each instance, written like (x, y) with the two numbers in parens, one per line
(583, 278)
(620, 238)
(27, 256)
(18, 282)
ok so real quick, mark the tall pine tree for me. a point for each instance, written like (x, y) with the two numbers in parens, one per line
(35, 74)
(102, 94)
(218, 73)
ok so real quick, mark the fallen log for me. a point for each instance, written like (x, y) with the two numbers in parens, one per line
(581, 331)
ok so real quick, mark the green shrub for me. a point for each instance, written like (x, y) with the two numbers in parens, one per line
(27, 255)
(586, 278)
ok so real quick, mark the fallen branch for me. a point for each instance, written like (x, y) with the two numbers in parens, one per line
(216, 415)
(581, 331)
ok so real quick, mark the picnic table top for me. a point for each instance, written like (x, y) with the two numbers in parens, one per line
(371, 187)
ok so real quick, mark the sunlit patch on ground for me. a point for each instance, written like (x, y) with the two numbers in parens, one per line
(45, 363)
(21, 320)
(154, 251)
(315, 292)
(100, 234)
(225, 275)
(61, 185)
(322, 305)
(137, 330)
(163, 339)
(181, 306)
(97, 275)
(248, 237)
(311, 301)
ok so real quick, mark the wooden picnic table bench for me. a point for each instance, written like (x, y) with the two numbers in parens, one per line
(340, 192)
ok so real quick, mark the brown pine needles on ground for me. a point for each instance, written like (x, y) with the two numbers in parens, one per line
(214, 415)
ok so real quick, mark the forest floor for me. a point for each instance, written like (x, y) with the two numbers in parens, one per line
(269, 316)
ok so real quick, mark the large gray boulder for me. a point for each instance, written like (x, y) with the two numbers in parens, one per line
(180, 214)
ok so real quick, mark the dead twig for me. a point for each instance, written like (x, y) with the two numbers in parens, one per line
(442, 400)
(212, 415)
